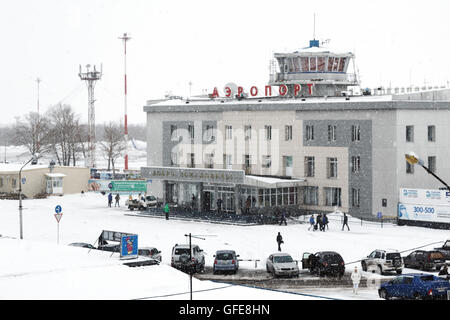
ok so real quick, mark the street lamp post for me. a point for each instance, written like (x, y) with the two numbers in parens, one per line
(414, 159)
(20, 196)
(190, 260)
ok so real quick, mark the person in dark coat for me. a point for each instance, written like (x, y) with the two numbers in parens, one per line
(219, 205)
(279, 241)
(110, 198)
(345, 222)
(320, 222)
(117, 204)
(283, 218)
(193, 201)
(325, 221)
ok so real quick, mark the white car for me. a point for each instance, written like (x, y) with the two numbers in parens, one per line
(282, 264)
(184, 260)
(150, 252)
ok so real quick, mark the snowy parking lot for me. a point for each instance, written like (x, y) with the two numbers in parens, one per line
(38, 268)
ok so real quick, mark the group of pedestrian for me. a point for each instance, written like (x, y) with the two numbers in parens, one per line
(320, 223)
(110, 200)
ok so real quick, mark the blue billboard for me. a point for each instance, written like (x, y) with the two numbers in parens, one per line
(129, 247)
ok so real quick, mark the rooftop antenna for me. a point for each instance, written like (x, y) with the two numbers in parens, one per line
(314, 28)
(38, 81)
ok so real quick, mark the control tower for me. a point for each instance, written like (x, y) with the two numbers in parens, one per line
(317, 65)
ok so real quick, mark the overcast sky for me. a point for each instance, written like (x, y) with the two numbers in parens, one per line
(209, 43)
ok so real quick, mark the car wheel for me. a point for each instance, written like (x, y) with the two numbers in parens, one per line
(364, 266)
(399, 271)
(384, 294)
(267, 269)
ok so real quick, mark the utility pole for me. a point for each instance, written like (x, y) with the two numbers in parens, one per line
(91, 77)
(124, 39)
(38, 82)
(190, 260)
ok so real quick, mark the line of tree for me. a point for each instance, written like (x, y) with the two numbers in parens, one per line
(60, 133)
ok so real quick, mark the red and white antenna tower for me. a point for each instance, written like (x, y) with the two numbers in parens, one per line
(125, 38)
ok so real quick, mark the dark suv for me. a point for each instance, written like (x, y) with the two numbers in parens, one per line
(323, 263)
(425, 260)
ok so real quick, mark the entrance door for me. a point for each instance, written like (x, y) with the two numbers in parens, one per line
(207, 201)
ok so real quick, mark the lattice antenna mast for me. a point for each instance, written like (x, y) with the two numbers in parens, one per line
(124, 39)
(90, 77)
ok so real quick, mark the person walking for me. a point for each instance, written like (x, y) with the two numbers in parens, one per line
(283, 218)
(279, 241)
(166, 211)
(320, 221)
(345, 222)
(325, 221)
(110, 198)
(219, 205)
(117, 204)
(311, 222)
(356, 278)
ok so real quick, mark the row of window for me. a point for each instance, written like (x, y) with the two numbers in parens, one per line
(332, 196)
(332, 166)
(431, 133)
(13, 182)
(308, 64)
(355, 132)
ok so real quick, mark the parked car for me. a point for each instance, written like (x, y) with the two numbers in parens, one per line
(384, 261)
(324, 263)
(181, 255)
(150, 252)
(135, 204)
(82, 245)
(445, 250)
(425, 260)
(225, 260)
(415, 286)
(282, 264)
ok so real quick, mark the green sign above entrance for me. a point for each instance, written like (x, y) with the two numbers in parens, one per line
(128, 186)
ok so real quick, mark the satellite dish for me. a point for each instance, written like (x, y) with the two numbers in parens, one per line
(234, 88)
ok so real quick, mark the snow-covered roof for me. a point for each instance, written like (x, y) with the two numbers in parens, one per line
(270, 182)
(55, 175)
(15, 167)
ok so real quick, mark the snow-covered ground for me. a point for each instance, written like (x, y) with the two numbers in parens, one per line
(38, 268)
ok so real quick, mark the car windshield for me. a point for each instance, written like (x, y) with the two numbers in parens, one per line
(427, 278)
(224, 256)
(151, 198)
(180, 251)
(436, 255)
(282, 259)
(392, 256)
(144, 252)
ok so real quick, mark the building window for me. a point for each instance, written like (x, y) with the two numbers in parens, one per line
(309, 132)
(333, 197)
(432, 133)
(228, 132)
(174, 133)
(191, 160)
(174, 159)
(227, 161)
(266, 161)
(1, 182)
(248, 132)
(191, 132)
(356, 133)
(409, 168)
(288, 133)
(432, 163)
(331, 167)
(355, 198)
(409, 133)
(309, 166)
(209, 133)
(331, 133)
(311, 196)
(209, 160)
(268, 130)
(14, 182)
(247, 163)
(356, 164)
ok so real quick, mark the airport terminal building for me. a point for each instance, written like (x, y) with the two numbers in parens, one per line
(305, 142)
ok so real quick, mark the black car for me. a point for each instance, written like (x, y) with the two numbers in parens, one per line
(324, 263)
(82, 245)
(424, 260)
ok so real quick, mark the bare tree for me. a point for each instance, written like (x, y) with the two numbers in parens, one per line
(32, 133)
(113, 143)
(65, 134)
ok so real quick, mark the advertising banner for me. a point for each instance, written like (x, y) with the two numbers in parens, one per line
(129, 247)
(125, 186)
(424, 205)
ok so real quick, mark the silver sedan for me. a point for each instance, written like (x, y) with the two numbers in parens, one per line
(282, 264)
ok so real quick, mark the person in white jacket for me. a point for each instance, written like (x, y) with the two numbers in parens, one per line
(356, 277)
